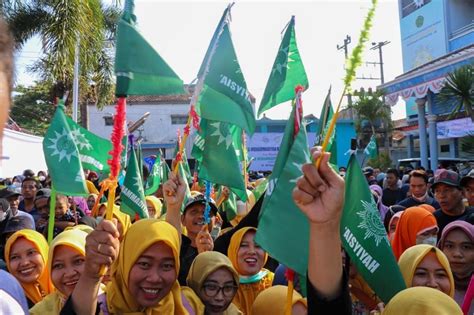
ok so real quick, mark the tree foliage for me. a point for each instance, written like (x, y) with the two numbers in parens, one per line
(32, 107)
(459, 87)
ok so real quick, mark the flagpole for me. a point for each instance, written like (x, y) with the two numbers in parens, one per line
(199, 85)
(52, 207)
(244, 155)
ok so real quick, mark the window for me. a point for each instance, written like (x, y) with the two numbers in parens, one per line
(109, 120)
(179, 119)
(410, 6)
(444, 148)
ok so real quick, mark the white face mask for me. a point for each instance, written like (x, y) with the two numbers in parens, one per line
(41, 178)
(431, 240)
(241, 208)
(2, 216)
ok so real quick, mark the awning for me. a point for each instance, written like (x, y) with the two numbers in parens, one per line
(430, 76)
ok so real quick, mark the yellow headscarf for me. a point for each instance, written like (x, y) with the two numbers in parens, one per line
(123, 218)
(232, 251)
(33, 291)
(272, 301)
(422, 301)
(91, 188)
(119, 299)
(53, 303)
(206, 263)
(156, 202)
(411, 258)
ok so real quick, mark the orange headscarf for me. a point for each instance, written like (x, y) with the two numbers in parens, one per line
(427, 207)
(413, 221)
(44, 286)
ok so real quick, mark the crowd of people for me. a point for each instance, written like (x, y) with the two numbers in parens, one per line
(173, 263)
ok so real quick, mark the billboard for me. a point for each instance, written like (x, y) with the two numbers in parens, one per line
(422, 28)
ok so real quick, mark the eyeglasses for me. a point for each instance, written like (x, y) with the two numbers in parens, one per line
(212, 290)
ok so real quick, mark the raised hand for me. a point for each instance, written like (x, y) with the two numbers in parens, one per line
(102, 247)
(204, 242)
(320, 193)
(174, 190)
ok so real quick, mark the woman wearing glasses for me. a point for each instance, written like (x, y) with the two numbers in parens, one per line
(215, 281)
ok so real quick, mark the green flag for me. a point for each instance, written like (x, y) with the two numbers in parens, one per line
(287, 72)
(62, 157)
(93, 150)
(323, 127)
(371, 148)
(132, 195)
(229, 206)
(364, 238)
(224, 96)
(155, 178)
(283, 230)
(184, 163)
(218, 161)
(140, 70)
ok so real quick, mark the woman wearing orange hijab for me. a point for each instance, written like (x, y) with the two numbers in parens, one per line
(26, 255)
(416, 226)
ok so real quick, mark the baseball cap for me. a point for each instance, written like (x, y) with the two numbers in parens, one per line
(200, 199)
(368, 170)
(467, 178)
(447, 177)
(43, 193)
(8, 192)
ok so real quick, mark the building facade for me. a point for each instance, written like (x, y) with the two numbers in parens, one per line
(437, 38)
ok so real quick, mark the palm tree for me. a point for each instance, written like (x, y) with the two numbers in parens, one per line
(459, 88)
(61, 25)
(371, 109)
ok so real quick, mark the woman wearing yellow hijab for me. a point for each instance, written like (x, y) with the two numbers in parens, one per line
(248, 260)
(215, 281)
(143, 275)
(26, 255)
(272, 301)
(421, 301)
(153, 205)
(427, 266)
(66, 259)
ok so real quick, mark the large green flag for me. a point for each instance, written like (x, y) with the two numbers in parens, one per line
(132, 195)
(287, 72)
(93, 150)
(364, 238)
(224, 96)
(324, 121)
(283, 230)
(218, 161)
(371, 148)
(140, 70)
(62, 157)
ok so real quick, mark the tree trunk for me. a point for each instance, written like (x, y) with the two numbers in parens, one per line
(84, 114)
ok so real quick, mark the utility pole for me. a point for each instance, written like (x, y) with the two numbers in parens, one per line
(379, 46)
(347, 41)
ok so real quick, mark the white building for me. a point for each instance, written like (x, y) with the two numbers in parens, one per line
(167, 115)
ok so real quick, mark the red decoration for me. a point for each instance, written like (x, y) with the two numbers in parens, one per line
(118, 132)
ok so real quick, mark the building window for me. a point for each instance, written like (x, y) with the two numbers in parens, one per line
(444, 148)
(179, 119)
(410, 6)
(109, 120)
(276, 128)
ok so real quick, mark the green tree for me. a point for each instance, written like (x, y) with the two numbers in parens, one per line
(459, 88)
(373, 117)
(32, 107)
(59, 24)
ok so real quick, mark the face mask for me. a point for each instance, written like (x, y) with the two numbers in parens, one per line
(432, 240)
(41, 178)
(422, 198)
(16, 184)
(2, 216)
(241, 208)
